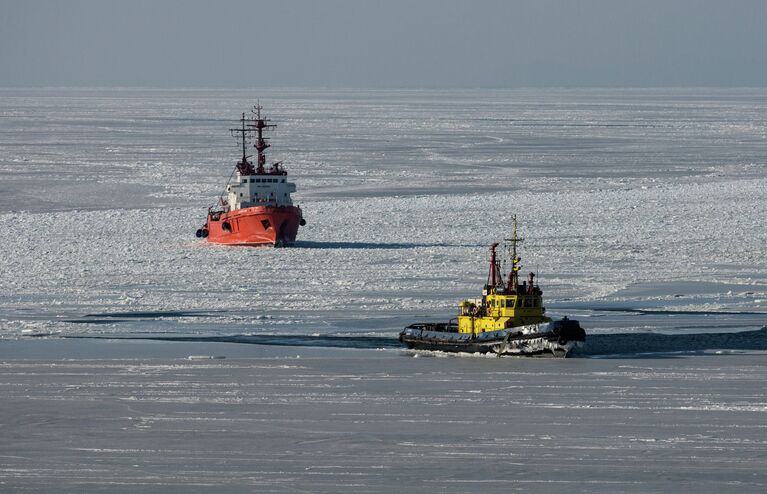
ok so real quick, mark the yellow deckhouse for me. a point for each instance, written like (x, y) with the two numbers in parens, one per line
(503, 305)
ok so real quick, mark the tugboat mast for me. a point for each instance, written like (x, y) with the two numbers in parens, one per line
(511, 247)
(494, 276)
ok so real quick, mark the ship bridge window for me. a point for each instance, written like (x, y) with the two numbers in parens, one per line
(283, 180)
(258, 180)
(244, 180)
(252, 180)
(528, 302)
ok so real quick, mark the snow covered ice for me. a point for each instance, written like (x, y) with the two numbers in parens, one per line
(643, 212)
(403, 192)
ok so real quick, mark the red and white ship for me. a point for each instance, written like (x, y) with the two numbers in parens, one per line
(257, 208)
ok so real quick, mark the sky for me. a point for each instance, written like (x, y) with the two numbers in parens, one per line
(386, 43)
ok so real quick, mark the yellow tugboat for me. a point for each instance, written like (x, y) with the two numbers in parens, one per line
(509, 319)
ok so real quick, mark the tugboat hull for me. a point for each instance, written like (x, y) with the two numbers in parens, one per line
(551, 339)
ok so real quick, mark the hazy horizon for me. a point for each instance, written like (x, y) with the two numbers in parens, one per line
(397, 44)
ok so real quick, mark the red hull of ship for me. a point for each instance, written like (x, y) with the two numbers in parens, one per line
(259, 225)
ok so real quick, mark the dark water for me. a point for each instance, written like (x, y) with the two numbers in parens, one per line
(633, 344)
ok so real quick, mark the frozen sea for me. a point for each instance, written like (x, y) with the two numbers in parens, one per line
(644, 216)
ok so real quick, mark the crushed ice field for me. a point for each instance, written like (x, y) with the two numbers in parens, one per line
(643, 213)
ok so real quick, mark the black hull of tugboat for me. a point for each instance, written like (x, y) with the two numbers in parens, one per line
(553, 339)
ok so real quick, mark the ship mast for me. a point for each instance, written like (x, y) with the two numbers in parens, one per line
(260, 124)
(244, 166)
(511, 246)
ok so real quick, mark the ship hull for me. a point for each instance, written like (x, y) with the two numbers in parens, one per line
(552, 339)
(254, 226)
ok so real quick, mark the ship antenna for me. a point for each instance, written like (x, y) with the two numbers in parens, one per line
(511, 245)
